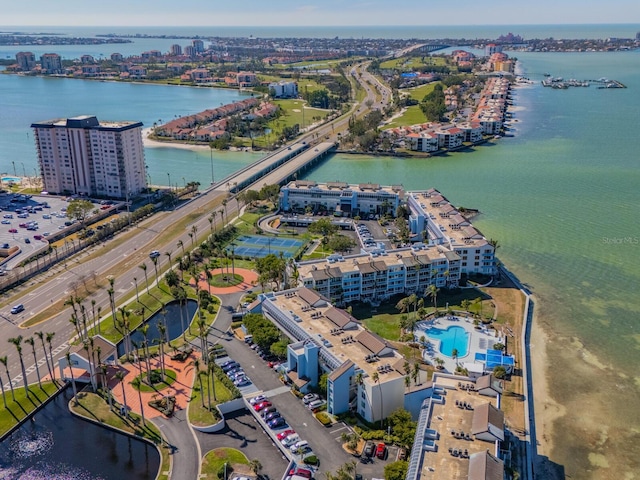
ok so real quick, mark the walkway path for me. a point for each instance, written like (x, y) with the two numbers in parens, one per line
(250, 280)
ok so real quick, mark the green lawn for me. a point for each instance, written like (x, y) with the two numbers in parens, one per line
(407, 64)
(215, 459)
(169, 379)
(96, 408)
(418, 93)
(223, 280)
(412, 116)
(23, 406)
(199, 415)
(384, 320)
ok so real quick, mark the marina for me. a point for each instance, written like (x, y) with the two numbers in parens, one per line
(562, 84)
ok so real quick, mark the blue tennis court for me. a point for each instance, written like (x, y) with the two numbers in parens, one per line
(257, 246)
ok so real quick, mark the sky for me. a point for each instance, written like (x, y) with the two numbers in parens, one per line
(316, 13)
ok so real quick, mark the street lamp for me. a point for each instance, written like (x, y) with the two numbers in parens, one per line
(211, 152)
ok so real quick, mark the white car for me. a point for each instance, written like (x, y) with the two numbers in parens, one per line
(299, 446)
(290, 440)
(258, 399)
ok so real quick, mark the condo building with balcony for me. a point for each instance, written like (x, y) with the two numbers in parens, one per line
(81, 155)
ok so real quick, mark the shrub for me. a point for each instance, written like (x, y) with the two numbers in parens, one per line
(312, 460)
(323, 418)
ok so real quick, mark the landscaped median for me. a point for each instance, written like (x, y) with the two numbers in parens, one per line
(227, 463)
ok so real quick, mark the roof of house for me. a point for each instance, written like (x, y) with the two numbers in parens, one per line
(341, 370)
(484, 466)
(489, 381)
(371, 341)
(484, 416)
(339, 317)
(310, 297)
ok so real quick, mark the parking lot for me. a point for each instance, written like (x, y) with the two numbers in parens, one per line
(26, 221)
(325, 442)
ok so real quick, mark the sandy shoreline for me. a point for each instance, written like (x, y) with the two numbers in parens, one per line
(148, 143)
(547, 411)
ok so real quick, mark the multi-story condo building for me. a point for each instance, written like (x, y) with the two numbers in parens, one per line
(365, 373)
(198, 45)
(190, 51)
(81, 155)
(376, 277)
(175, 50)
(51, 63)
(341, 198)
(283, 89)
(433, 220)
(117, 57)
(26, 61)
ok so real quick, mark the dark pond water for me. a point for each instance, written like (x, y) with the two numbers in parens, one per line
(175, 324)
(59, 446)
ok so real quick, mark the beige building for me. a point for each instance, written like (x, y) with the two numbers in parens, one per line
(83, 156)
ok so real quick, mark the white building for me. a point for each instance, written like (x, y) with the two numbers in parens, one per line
(283, 89)
(83, 156)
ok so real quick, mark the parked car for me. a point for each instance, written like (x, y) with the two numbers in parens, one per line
(272, 416)
(267, 411)
(290, 440)
(381, 451)
(310, 397)
(402, 454)
(230, 366)
(17, 308)
(242, 382)
(262, 405)
(299, 445)
(282, 435)
(316, 404)
(6, 222)
(301, 472)
(369, 449)
(13, 230)
(258, 399)
(277, 423)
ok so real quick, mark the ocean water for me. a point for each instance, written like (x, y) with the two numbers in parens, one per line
(560, 196)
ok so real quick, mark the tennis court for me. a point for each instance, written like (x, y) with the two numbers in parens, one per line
(257, 246)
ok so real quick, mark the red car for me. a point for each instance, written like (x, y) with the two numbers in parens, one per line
(285, 434)
(262, 405)
(300, 472)
(381, 451)
(13, 230)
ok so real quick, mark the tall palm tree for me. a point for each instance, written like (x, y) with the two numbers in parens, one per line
(212, 377)
(224, 204)
(407, 382)
(195, 363)
(168, 254)
(203, 332)
(194, 230)
(31, 341)
(255, 466)
(85, 346)
(376, 378)
(162, 330)
(49, 338)
(143, 267)
(73, 380)
(120, 376)
(432, 291)
(112, 303)
(3, 361)
(137, 384)
(415, 372)
(221, 212)
(145, 331)
(180, 245)
(209, 276)
(74, 321)
(213, 216)
(17, 342)
(40, 335)
(154, 260)
(4, 395)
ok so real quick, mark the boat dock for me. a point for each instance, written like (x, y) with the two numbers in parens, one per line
(562, 84)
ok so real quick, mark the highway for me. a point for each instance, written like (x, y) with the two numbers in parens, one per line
(122, 255)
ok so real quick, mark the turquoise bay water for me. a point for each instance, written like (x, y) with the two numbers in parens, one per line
(561, 197)
(453, 338)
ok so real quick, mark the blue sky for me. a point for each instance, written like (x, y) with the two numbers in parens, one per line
(313, 12)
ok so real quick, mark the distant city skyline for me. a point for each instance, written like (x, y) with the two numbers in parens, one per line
(316, 13)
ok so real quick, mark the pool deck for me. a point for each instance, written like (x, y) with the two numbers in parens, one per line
(479, 340)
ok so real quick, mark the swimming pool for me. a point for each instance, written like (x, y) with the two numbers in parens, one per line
(452, 338)
(11, 179)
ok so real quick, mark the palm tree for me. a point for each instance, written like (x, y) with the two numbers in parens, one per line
(213, 216)
(212, 378)
(255, 466)
(226, 214)
(415, 372)
(194, 230)
(209, 275)
(168, 254)
(135, 282)
(478, 301)
(376, 378)
(407, 382)
(73, 380)
(195, 363)
(162, 329)
(112, 303)
(31, 341)
(145, 330)
(49, 338)
(180, 245)
(17, 342)
(143, 267)
(465, 304)
(40, 335)
(120, 376)
(221, 212)
(4, 396)
(137, 384)
(203, 332)
(154, 260)
(3, 361)
(432, 291)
